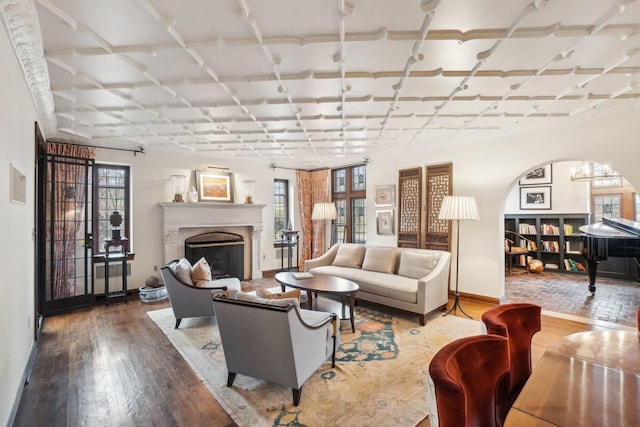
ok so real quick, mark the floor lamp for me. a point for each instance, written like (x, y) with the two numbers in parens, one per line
(325, 212)
(458, 208)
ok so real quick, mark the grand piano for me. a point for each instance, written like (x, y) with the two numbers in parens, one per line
(615, 237)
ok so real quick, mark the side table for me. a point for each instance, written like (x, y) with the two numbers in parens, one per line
(123, 255)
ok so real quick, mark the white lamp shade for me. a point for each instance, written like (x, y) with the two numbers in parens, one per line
(459, 207)
(324, 211)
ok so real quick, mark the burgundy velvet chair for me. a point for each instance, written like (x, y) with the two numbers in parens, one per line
(517, 322)
(469, 376)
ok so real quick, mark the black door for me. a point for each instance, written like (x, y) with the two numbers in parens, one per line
(65, 273)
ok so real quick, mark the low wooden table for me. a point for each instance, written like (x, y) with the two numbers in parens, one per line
(586, 379)
(322, 283)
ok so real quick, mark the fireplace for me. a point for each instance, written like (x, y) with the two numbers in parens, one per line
(223, 251)
(184, 220)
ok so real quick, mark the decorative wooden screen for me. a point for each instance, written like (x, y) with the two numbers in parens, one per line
(439, 184)
(409, 208)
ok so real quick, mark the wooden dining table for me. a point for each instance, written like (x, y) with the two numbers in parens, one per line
(586, 379)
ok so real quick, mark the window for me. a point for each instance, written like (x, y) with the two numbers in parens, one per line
(637, 204)
(110, 194)
(604, 170)
(280, 206)
(348, 192)
(606, 206)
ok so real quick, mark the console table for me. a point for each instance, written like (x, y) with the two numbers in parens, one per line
(290, 240)
(122, 255)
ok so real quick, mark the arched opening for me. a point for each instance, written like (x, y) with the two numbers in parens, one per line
(543, 212)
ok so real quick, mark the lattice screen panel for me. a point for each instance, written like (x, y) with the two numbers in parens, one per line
(439, 184)
(409, 207)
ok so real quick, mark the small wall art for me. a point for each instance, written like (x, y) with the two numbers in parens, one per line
(18, 183)
(385, 195)
(535, 197)
(537, 176)
(214, 186)
(384, 222)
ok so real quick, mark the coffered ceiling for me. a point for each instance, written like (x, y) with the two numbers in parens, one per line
(320, 82)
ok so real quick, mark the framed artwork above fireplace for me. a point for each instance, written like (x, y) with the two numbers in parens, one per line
(214, 186)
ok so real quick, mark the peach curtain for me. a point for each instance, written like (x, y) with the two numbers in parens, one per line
(313, 187)
(67, 195)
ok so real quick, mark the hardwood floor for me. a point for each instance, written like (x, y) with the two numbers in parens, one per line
(111, 366)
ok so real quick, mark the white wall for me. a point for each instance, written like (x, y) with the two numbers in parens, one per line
(17, 118)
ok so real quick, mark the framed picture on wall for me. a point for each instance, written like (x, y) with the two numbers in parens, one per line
(214, 186)
(384, 222)
(537, 176)
(385, 195)
(535, 197)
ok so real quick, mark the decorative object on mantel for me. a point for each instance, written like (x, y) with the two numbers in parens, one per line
(248, 191)
(177, 183)
(214, 186)
(116, 221)
(192, 195)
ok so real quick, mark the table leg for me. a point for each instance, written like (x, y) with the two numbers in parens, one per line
(309, 300)
(352, 302)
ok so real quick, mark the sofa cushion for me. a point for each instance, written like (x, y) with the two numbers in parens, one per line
(349, 255)
(265, 293)
(387, 285)
(281, 302)
(201, 273)
(416, 264)
(380, 259)
(182, 271)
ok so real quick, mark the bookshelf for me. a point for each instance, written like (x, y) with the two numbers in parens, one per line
(555, 239)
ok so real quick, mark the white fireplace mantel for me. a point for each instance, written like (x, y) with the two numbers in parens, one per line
(180, 216)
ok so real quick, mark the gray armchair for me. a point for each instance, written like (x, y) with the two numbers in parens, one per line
(282, 344)
(192, 301)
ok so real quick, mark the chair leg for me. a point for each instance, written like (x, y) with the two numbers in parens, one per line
(178, 323)
(231, 378)
(297, 393)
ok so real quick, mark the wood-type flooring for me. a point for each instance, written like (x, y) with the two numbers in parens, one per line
(111, 366)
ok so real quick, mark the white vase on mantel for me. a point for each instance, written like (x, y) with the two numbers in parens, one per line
(192, 195)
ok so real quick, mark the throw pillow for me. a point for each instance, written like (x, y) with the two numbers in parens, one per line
(182, 271)
(201, 273)
(281, 302)
(380, 259)
(349, 255)
(416, 264)
(265, 293)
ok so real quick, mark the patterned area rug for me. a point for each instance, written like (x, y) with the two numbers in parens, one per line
(379, 378)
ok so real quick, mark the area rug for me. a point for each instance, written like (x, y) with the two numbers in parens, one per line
(379, 378)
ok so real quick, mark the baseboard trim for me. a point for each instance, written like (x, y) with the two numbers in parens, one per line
(26, 375)
(474, 297)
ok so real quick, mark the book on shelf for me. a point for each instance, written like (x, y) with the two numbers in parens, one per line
(524, 228)
(302, 275)
(550, 229)
(568, 229)
(551, 266)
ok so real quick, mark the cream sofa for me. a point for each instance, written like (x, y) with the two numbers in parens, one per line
(414, 280)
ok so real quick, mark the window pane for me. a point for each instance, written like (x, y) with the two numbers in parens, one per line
(637, 198)
(603, 170)
(339, 180)
(341, 221)
(280, 206)
(358, 178)
(359, 220)
(606, 206)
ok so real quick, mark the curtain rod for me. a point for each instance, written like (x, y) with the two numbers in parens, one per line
(134, 151)
(365, 160)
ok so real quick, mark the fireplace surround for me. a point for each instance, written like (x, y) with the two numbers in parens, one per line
(183, 220)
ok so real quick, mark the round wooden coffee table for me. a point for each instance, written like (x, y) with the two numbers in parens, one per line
(322, 283)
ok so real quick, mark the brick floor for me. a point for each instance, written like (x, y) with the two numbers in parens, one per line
(615, 300)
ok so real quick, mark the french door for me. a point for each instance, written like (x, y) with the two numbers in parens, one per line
(65, 242)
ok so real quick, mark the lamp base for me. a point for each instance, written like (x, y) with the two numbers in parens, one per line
(248, 200)
(456, 305)
(177, 198)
